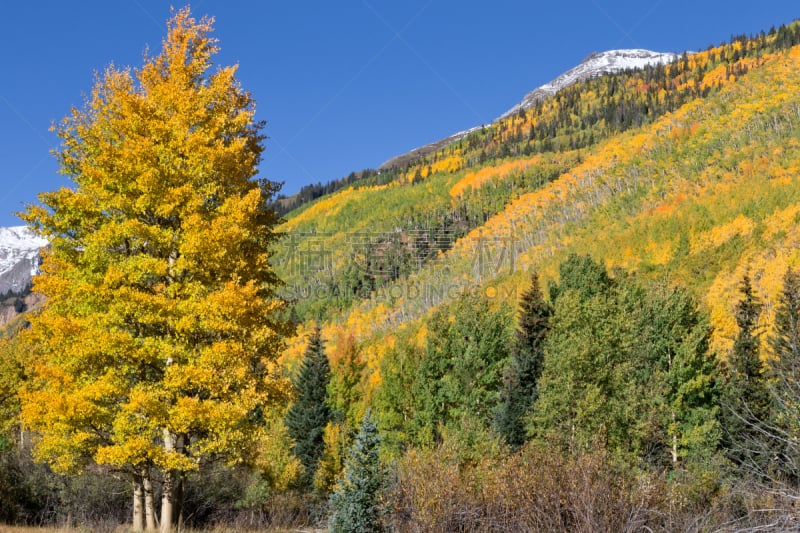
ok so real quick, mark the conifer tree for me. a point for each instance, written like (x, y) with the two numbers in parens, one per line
(159, 334)
(580, 273)
(745, 399)
(785, 379)
(355, 503)
(309, 414)
(527, 358)
(785, 341)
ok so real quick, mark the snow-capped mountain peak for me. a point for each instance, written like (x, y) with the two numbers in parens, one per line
(19, 258)
(595, 64)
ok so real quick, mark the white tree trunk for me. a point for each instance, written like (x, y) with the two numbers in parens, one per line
(168, 489)
(674, 442)
(138, 516)
(149, 504)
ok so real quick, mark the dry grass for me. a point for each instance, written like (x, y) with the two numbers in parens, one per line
(21, 529)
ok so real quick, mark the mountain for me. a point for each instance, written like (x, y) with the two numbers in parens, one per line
(595, 64)
(19, 258)
(686, 171)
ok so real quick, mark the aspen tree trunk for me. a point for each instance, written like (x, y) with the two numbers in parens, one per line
(168, 489)
(138, 517)
(674, 442)
(167, 501)
(149, 505)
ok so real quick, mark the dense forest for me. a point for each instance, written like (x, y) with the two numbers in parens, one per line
(583, 317)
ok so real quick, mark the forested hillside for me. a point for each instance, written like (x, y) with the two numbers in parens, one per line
(677, 181)
(711, 162)
(583, 317)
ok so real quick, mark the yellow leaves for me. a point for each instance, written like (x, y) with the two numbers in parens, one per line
(659, 253)
(190, 412)
(716, 76)
(135, 450)
(325, 208)
(448, 164)
(475, 180)
(273, 456)
(721, 234)
(158, 312)
(783, 221)
(723, 294)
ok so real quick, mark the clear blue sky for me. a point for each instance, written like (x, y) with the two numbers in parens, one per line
(343, 84)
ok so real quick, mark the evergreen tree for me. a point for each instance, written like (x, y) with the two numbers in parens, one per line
(745, 399)
(580, 273)
(355, 503)
(785, 379)
(785, 341)
(527, 358)
(309, 414)
(461, 373)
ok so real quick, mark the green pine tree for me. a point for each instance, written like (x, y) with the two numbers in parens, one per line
(785, 342)
(580, 273)
(355, 506)
(745, 399)
(785, 379)
(309, 414)
(527, 357)
(460, 374)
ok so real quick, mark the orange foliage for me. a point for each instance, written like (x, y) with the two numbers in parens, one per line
(475, 180)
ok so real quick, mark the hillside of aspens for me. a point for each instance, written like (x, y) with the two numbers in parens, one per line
(687, 171)
(656, 214)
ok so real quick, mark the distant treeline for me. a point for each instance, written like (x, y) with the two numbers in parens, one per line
(308, 193)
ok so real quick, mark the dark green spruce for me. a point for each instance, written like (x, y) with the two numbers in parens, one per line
(309, 414)
(745, 399)
(527, 358)
(785, 381)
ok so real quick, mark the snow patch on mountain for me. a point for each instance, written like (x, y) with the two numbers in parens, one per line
(596, 64)
(19, 258)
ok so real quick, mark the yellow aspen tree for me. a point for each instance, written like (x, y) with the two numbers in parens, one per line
(157, 345)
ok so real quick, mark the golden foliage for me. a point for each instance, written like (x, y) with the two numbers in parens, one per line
(475, 180)
(160, 323)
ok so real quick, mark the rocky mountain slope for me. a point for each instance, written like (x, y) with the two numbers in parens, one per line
(19, 258)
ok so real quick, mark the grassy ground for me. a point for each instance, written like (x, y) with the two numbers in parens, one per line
(19, 529)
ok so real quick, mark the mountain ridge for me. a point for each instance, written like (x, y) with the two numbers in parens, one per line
(595, 64)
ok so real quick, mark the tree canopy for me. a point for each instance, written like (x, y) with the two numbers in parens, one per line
(157, 342)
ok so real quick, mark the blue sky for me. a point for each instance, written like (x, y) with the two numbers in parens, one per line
(343, 85)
